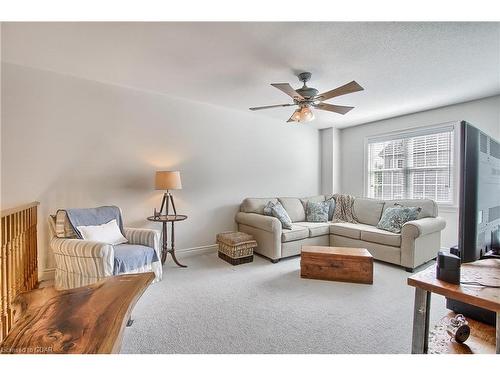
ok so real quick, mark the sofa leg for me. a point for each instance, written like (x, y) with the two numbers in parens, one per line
(275, 260)
(409, 269)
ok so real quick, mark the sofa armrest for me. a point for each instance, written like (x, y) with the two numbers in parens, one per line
(422, 227)
(80, 248)
(150, 238)
(143, 236)
(89, 258)
(263, 222)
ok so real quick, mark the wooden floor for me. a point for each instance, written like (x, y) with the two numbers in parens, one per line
(480, 341)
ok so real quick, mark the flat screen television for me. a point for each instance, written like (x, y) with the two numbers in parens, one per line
(479, 206)
(479, 200)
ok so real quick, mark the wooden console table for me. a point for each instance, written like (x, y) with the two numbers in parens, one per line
(425, 282)
(85, 320)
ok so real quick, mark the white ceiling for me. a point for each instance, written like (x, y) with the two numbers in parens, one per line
(404, 67)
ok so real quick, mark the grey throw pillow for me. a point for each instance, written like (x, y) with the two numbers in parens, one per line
(331, 209)
(317, 212)
(395, 217)
(267, 208)
(280, 213)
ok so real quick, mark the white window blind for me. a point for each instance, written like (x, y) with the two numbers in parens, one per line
(413, 165)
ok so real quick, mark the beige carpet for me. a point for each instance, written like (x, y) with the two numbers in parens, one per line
(260, 307)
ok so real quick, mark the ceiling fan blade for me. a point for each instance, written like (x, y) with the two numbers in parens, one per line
(270, 106)
(342, 109)
(291, 119)
(352, 86)
(287, 89)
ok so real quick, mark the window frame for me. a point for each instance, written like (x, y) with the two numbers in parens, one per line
(418, 131)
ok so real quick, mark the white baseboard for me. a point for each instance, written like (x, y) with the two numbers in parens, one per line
(50, 273)
(47, 274)
(212, 247)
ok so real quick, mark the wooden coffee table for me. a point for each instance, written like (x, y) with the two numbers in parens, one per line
(336, 264)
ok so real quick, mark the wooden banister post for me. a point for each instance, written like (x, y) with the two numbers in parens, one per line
(18, 258)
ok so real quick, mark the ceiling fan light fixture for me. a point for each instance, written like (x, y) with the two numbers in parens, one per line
(296, 116)
(306, 114)
(307, 97)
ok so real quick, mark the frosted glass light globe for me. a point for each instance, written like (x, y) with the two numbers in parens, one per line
(306, 115)
(296, 116)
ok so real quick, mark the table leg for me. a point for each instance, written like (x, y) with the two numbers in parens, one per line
(498, 332)
(164, 243)
(172, 247)
(421, 321)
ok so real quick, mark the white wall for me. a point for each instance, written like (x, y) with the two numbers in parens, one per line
(68, 142)
(330, 160)
(483, 114)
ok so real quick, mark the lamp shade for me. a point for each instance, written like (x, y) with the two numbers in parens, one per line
(167, 180)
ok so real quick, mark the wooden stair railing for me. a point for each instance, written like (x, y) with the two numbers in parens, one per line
(18, 259)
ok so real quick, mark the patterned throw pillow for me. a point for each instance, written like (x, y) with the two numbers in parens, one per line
(280, 213)
(317, 212)
(394, 218)
(267, 208)
(331, 209)
(63, 227)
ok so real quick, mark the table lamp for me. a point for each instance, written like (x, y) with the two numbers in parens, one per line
(167, 180)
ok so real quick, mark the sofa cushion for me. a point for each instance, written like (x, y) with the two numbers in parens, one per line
(385, 253)
(280, 213)
(315, 229)
(367, 210)
(132, 257)
(296, 233)
(314, 199)
(331, 210)
(107, 232)
(255, 205)
(429, 207)
(317, 212)
(395, 217)
(381, 236)
(294, 208)
(63, 227)
(268, 208)
(350, 230)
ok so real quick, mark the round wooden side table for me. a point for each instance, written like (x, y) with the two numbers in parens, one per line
(165, 219)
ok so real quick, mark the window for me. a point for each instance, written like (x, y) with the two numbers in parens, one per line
(417, 164)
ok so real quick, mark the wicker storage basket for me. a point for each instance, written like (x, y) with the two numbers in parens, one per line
(236, 247)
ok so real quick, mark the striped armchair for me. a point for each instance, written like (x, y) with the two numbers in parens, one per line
(80, 262)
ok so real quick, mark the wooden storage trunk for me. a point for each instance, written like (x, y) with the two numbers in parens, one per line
(337, 264)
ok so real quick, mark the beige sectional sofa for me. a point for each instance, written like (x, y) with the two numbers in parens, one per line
(419, 241)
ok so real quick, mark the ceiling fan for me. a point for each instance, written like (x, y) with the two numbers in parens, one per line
(307, 97)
